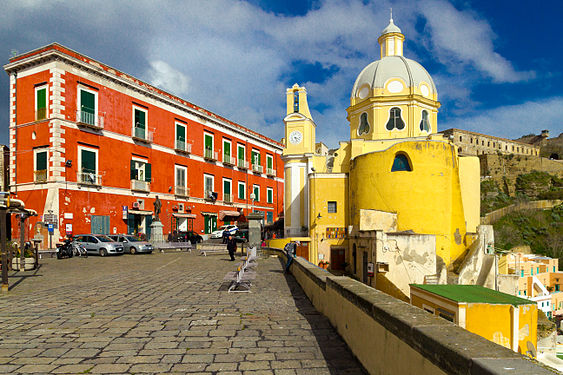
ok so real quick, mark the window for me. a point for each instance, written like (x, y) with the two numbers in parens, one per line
(269, 217)
(270, 164)
(139, 123)
(256, 192)
(425, 124)
(41, 102)
(88, 166)
(364, 124)
(208, 184)
(227, 151)
(208, 144)
(256, 160)
(40, 165)
(557, 287)
(401, 163)
(269, 195)
(180, 181)
(395, 120)
(181, 137)
(87, 106)
(331, 207)
(227, 197)
(241, 190)
(140, 175)
(460, 138)
(241, 151)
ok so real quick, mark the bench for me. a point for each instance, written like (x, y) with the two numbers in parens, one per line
(178, 246)
(211, 248)
(44, 253)
(243, 276)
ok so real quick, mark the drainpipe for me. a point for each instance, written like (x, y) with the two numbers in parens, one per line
(16, 131)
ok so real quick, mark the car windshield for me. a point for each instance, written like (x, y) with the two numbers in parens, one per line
(104, 239)
(132, 239)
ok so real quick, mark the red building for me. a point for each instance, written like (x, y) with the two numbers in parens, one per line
(91, 148)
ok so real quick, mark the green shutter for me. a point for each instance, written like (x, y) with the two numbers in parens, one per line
(226, 187)
(227, 148)
(240, 191)
(41, 99)
(140, 119)
(87, 102)
(269, 161)
(241, 153)
(256, 197)
(147, 172)
(208, 142)
(270, 196)
(180, 133)
(88, 161)
(41, 161)
(133, 172)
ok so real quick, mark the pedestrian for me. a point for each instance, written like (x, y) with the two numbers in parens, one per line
(290, 250)
(231, 246)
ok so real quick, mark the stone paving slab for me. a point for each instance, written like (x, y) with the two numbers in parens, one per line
(163, 313)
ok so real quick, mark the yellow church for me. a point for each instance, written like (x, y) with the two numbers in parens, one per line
(395, 204)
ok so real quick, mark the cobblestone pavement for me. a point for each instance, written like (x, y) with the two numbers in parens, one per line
(163, 313)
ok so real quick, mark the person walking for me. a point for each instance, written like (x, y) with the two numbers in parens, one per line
(231, 246)
(290, 250)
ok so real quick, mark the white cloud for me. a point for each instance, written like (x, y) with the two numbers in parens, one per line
(164, 76)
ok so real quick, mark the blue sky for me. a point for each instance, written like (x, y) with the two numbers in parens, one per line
(496, 64)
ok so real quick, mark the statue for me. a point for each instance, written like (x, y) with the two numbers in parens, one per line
(157, 205)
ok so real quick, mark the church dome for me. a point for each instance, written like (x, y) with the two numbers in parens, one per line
(379, 72)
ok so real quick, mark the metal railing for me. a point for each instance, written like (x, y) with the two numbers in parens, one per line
(40, 114)
(243, 164)
(90, 120)
(227, 198)
(142, 134)
(89, 178)
(229, 160)
(40, 176)
(270, 172)
(210, 154)
(257, 168)
(140, 185)
(182, 191)
(182, 146)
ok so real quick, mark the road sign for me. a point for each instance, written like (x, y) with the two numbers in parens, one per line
(50, 219)
(51, 228)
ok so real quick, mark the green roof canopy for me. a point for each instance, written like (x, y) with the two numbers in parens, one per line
(473, 294)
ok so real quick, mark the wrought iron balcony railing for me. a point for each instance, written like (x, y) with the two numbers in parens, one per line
(184, 147)
(182, 191)
(89, 178)
(40, 175)
(140, 185)
(90, 120)
(242, 164)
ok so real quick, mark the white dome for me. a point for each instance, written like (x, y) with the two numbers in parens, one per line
(379, 72)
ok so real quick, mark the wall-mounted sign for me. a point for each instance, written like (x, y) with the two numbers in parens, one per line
(50, 219)
(334, 233)
(68, 228)
(125, 211)
(370, 269)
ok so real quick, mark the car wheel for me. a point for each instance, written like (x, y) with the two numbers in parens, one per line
(103, 252)
(132, 250)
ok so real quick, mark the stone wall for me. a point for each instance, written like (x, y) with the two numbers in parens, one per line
(389, 336)
(493, 217)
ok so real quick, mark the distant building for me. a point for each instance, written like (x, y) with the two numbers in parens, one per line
(471, 143)
(92, 148)
(499, 317)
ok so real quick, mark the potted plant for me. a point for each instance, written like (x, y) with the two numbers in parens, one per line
(29, 259)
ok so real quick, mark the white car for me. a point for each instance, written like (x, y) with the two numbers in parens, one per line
(219, 232)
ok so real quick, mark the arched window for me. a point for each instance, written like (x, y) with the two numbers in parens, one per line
(364, 124)
(395, 120)
(425, 124)
(296, 101)
(401, 163)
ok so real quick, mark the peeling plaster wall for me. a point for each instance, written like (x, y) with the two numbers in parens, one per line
(478, 268)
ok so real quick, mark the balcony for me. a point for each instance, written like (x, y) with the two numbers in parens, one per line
(209, 154)
(257, 168)
(270, 172)
(181, 191)
(142, 135)
(210, 195)
(87, 178)
(183, 147)
(40, 176)
(242, 164)
(140, 185)
(40, 114)
(89, 120)
(229, 160)
(227, 198)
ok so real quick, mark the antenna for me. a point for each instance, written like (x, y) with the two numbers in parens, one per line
(391, 17)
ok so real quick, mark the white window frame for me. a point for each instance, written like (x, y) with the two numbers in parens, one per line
(142, 169)
(136, 107)
(244, 151)
(255, 152)
(269, 157)
(79, 99)
(176, 123)
(205, 177)
(41, 87)
(400, 116)
(212, 140)
(185, 169)
(225, 140)
(268, 190)
(230, 181)
(243, 184)
(257, 196)
(35, 152)
(95, 151)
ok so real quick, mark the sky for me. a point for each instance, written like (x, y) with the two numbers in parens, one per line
(496, 64)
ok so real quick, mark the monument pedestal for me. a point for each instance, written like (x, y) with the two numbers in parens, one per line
(156, 232)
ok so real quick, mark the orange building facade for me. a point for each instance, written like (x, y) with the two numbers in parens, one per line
(91, 148)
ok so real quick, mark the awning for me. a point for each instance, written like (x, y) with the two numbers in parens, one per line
(189, 216)
(139, 212)
(223, 214)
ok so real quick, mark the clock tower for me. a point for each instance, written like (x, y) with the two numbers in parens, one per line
(297, 155)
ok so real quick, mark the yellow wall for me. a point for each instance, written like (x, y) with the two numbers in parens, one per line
(427, 199)
(470, 177)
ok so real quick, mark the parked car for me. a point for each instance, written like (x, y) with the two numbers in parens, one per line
(219, 232)
(132, 244)
(185, 236)
(99, 244)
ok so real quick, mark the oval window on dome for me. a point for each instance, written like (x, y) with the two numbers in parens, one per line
(364, 92)
(395, 87)
(424, 90)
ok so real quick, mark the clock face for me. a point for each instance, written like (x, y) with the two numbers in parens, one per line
(295, 137)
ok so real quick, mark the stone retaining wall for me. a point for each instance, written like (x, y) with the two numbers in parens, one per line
(493, 217)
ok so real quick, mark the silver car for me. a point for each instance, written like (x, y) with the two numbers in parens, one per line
(99, 244)
(132, 244)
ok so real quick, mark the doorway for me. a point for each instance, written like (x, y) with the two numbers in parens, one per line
(210, 223)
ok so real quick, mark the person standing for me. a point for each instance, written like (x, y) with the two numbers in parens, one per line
(231, 246)
(291, 252)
